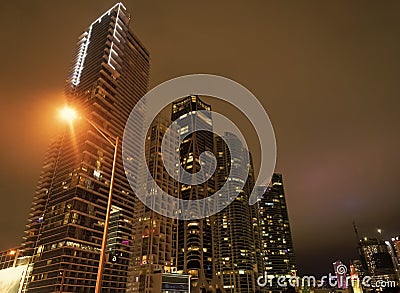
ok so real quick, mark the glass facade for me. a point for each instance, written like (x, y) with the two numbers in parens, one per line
(195, 241)
(236, 233)
(155, 235)
(276, 237)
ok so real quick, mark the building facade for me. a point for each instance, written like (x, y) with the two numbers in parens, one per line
(235, 233)
(395, 242)
(276, 238)
(377, 259)
(195, 241)
(155, 236)
(171, 283)
(64, 233)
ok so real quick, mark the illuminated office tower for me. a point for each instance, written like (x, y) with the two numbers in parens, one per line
(155, 235)
(394, 250)
(276, 238)
(235, 228)
(195, 255)
(377, 260)
(255, 219)
(65, 227)
(395, 242)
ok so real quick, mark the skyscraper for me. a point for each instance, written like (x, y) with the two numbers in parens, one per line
(195, 241)
(235, 232)
(355, 277)
(396, 246)
(155, 236)
(276, 238)
(64, 232)
(394, 249)
(377, 260)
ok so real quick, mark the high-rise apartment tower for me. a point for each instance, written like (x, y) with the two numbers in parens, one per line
(236, 226)
(109, 75)
(276, 237)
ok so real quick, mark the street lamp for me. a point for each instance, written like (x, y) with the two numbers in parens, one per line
(69, 114)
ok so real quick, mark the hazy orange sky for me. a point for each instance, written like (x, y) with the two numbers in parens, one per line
(327, 73)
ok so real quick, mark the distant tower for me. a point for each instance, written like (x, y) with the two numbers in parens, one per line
(64, 232)
(355, 278)
(377, 260)
(394, 251)
(276, 237)
(396, 246)
(235, 232)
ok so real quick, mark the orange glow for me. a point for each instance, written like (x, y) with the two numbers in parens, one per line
(12, 252)
(68, 114)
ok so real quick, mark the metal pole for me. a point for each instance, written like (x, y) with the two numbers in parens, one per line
(106, 223)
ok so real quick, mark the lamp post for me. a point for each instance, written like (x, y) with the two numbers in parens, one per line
(107, 221)
(70, 114)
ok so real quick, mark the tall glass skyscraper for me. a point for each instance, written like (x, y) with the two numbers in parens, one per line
(109, 75)
(155, 249)
(195, 241)
(276, 237)
(236, 226)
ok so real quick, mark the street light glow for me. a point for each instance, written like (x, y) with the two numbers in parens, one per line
(68, 114)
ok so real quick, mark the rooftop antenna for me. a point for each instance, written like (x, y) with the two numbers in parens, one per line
(356, 231)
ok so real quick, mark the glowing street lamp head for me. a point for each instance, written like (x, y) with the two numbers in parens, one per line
(68, 114)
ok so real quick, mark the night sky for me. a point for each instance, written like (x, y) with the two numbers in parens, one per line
(327, 72)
